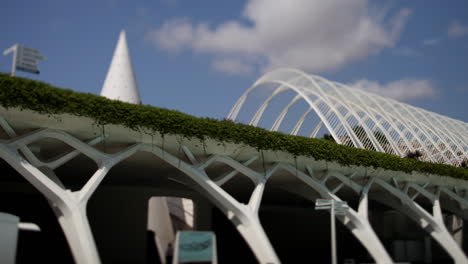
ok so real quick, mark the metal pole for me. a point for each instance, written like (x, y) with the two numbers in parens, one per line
(15, 57)
(333, 235)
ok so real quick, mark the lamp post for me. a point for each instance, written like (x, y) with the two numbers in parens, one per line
(336, 208)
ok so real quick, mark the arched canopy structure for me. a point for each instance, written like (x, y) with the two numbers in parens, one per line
(361, 119)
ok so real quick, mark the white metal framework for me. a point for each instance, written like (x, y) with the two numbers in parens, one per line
(361, 119)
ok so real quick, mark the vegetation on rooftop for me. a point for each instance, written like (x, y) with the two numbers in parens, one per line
(46, 99)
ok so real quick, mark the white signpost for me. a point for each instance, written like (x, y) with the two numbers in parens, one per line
(335, 207)
(24, 59)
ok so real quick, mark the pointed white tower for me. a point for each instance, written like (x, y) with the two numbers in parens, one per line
(120, 83)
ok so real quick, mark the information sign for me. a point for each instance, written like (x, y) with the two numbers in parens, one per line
(24, 59)
(195, 247)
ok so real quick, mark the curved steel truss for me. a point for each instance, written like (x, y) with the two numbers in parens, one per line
(362, 119)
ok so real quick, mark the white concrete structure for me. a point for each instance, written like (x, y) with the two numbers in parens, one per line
(385, 125)
(302, 176)
(120, 83)
(149, 163)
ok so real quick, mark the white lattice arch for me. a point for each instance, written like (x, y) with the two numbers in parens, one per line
(342, 108)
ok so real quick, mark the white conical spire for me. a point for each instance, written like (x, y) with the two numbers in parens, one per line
(120, 81)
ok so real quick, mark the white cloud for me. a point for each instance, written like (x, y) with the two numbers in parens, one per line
(232, 66)
(456, 29)
(313, 35)
(402, 90)
(173, 36)
(431, 42)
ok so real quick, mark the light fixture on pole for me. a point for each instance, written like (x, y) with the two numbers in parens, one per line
(24, 59)
(336, 208)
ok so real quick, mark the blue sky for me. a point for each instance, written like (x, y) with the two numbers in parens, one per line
(200, 56)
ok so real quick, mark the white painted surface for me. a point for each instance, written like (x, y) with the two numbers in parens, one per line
(159, 221)
(181, 208)
(120, 83)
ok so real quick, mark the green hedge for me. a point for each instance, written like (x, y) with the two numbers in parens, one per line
(46, 99)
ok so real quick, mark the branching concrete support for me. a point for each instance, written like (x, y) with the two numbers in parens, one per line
(356, 222)
(70, 210)
(432, 223)
(249, 226)
(69, 207)
(244, 217)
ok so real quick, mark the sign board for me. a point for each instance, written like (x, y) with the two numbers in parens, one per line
(323, 204)
(27, 59)
(326, 204)
(24, 59)
(33, 51)
(195, 247)
(20, 68)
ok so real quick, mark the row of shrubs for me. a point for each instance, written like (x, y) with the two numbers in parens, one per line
(45, 99)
